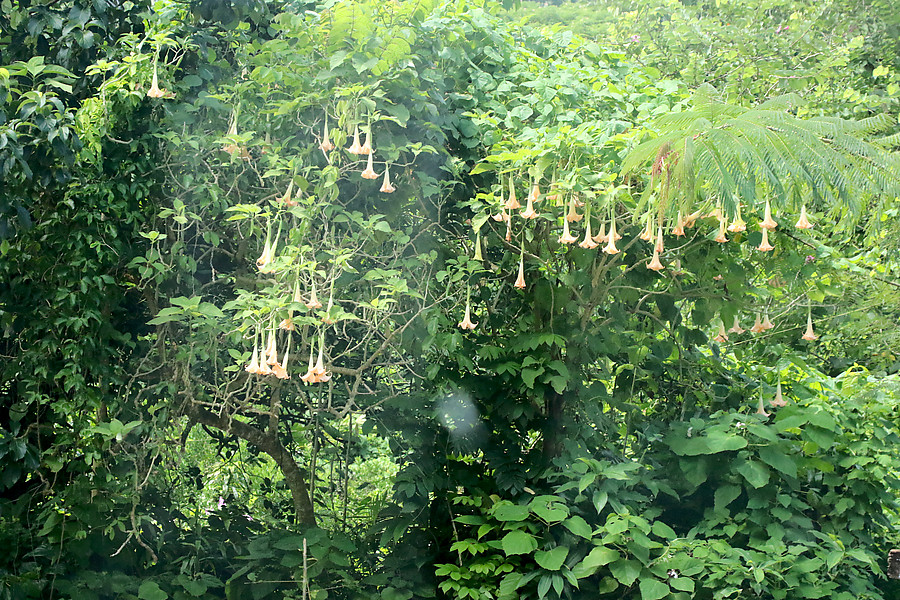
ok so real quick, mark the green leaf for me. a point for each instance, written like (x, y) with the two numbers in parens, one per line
(625, 570)
(510, 512)
(652, 589)
(778, 460)
(578, 526)
(518, 542)
(755, 473)
(553, 559)
(150, 590)
(725, 495)
(596, 558)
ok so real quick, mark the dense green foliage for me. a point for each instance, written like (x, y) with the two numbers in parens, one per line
(245, 358)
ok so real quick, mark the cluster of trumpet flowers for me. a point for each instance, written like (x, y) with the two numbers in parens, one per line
(606, 239)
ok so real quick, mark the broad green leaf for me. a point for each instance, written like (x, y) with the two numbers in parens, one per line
(777, 459)
(518, 542)
(553, 559)
(150, 590)
(652, 589)
(510, 512)
(578, 526)
(754, 472)
(625, 570)
(596, 558)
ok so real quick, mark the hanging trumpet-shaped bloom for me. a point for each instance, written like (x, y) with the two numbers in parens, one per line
(229, 147)
(678, 230)
(768, 222)
(567, 237)
(736, 328)
(321, 374)
(287, 324)
(692, 218)
(803, 221)
(529, 212)
(355, 147)
(655, 264)
(647, 233)
(764, 245)
(313, 298)
(272, 349)
(511, 203)
(326, 145)
(737, 224)
(520, 280)
(610, 247)
(467, 323)
(721, 237)
(601, 237)
(722, 336)
(478, 255)
(155, 91)
(501, 216)
(572, 215)
(779, 400)
(767, 324)
(535, 194)
(310, 370)
(266, 257)
(329, 319)
(367, 145)
(660, 247)
(280, 369)
(757, 325)
(253, 367)
(289, 194)
(761, 408)
(370, 173)
(588, 241)
(386, 187)
(809, 335)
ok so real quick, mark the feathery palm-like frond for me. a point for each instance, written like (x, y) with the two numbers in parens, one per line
(736, 153)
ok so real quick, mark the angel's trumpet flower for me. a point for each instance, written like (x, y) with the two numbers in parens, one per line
(367, 145)
(467, 323)
(757, 325)
(737, 224)
(567, 237)
(313, 297)
(588, 241)
(355, 147)
(768, 222)
(478, 255)
(386, 187)
(809, 335)
(764, 245)
(736, 328)
(655, 263)
(572, 215)
(529, 212)
(678, 230)
(779, 400)
(722, 336)
(721, 237)
(326, 145)
(803, 221)
(370, 173)
(520, 280)
(512, 204)
(613, 236)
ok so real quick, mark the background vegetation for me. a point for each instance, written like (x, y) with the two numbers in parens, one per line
(243, 358)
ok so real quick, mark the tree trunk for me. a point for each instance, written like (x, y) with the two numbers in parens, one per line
(268, 443)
